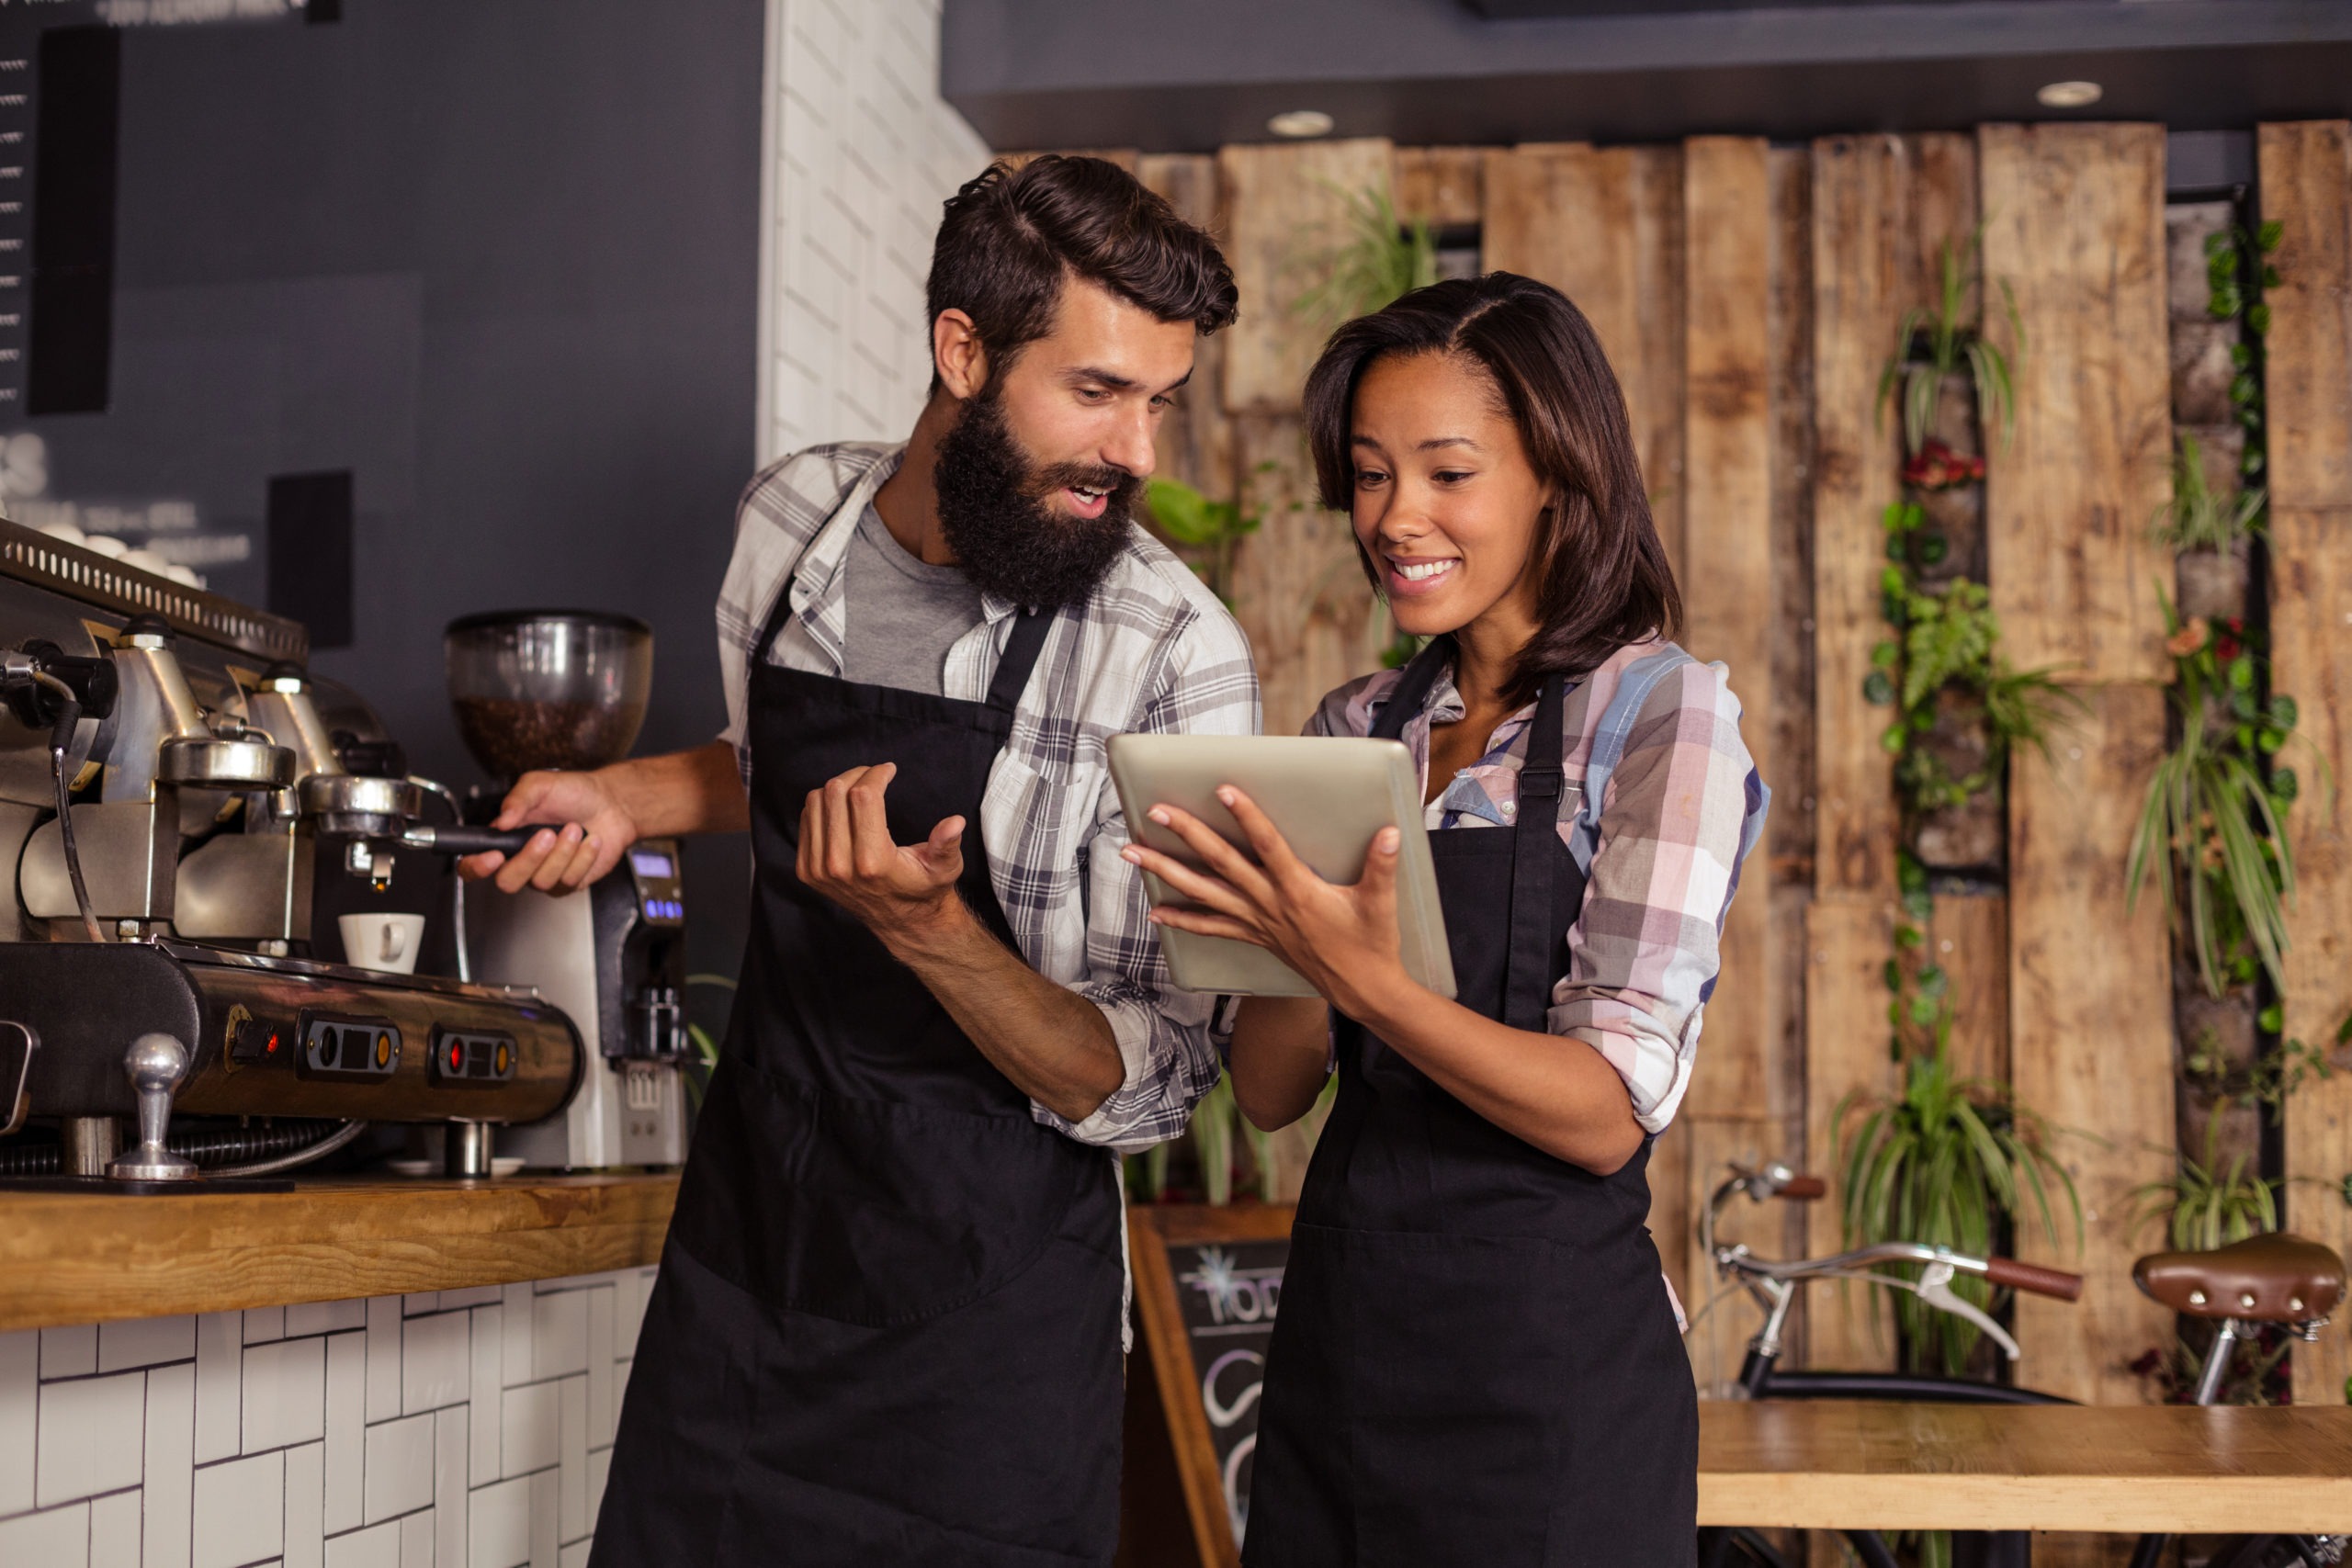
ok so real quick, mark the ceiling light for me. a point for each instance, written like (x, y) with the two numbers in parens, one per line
(2070, 95)
(1300, 123)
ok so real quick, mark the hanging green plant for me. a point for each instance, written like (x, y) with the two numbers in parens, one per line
(2195, 517)
(1380, 259)
(1940, 340)
(1947, 639)
(2212, 830)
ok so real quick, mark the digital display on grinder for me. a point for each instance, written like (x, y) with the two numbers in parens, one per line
(651, 863)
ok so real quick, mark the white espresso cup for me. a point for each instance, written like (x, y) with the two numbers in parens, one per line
(388, 943)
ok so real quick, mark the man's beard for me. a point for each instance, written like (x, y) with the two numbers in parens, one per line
(993, 511)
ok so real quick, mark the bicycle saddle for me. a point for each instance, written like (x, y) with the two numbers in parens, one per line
(2264, 1279)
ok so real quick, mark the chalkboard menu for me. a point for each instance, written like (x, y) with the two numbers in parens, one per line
(1208, 1284)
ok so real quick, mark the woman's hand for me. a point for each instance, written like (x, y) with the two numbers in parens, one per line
(1343, 940)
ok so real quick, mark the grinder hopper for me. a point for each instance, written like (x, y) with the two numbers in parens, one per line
(547, 688)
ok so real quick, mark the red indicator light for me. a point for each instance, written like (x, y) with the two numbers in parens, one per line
(456, 1056)
(271, 1049)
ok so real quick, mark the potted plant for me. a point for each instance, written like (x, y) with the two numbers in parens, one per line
(1950, 381)
(1961, 709)
(2211, 528)
(1952, 1162)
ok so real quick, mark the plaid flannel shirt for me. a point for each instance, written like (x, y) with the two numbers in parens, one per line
(1151, 650)
(1644, 954)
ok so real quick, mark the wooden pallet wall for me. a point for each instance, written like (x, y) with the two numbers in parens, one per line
(1299, 589)
(2306, 172)
(2075, 226)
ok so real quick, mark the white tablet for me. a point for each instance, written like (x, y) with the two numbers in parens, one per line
(1327, 795)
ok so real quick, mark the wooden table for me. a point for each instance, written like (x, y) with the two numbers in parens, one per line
(1841, 1465)
(73, 1258)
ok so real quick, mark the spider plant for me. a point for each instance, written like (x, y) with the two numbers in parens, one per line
(2205, 1207)
(1945, 1164)
(1380, 259)
(2195, 518)
(1949, 341)
(2209, 827)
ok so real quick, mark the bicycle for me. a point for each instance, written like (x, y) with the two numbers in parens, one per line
(2275, 1279)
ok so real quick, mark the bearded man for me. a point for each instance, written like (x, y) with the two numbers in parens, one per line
(889, 1317)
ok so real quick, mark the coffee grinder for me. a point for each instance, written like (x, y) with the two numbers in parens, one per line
(537, 689)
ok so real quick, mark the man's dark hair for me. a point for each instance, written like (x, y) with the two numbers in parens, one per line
(1601, 571)
(1012, 235)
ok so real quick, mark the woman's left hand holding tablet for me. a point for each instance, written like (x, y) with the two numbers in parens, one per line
(1343, 939)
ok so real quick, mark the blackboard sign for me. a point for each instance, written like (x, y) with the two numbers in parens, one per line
(1208, 1284)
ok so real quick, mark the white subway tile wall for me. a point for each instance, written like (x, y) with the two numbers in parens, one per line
(418, 1432)
(862, 150)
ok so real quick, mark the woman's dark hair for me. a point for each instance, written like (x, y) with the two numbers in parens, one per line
(1603, 571)
(1012, 235)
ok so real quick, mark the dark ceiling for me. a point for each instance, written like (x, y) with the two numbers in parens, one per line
(1188, 75)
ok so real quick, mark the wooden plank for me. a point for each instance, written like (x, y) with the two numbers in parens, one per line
(1861, 187)
(1832, 1464)
(1728, 581)
(72, 1259)
(2090, 1032)
(1848, 937)
(1605, 228)
(2307, 189)
(1658, 404)
(1195, 445)
(1289, 208)
(1442, 186)
(1970, 937)
(1299, 590)
(2074, 224)
(1791, 844)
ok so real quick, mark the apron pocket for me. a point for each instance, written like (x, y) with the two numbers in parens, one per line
(1458, 1398)
(866, 1211)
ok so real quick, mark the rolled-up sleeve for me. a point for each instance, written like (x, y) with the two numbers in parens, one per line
(1683, 803)
(1164, 1034)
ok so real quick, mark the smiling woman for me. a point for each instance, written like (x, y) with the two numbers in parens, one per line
(1476, 1348)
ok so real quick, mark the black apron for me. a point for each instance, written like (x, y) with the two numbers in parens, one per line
(886, 1325)
(1477, 1361)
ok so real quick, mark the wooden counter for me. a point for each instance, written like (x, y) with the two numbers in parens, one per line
(1833, 1464)
(72, 1259)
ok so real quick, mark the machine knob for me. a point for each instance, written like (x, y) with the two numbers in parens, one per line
(156, 1065)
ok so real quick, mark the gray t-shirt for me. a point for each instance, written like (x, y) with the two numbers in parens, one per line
(902, 615)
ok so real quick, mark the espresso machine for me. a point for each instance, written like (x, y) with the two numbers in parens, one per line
(185, 808)
(567, 689)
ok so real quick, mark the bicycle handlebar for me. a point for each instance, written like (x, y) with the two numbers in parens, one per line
(1805, 1188)
(2032, 1277)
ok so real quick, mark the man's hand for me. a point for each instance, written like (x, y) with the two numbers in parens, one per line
(902, 893)
(595, 830)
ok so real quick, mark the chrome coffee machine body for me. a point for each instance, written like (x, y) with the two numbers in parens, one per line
(535, 688)
(183, 810)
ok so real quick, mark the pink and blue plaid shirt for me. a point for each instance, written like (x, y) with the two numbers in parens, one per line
(1643, 954)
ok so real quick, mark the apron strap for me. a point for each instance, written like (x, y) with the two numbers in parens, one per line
(1413, 690)
(1021, 650)
(1527, 984)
